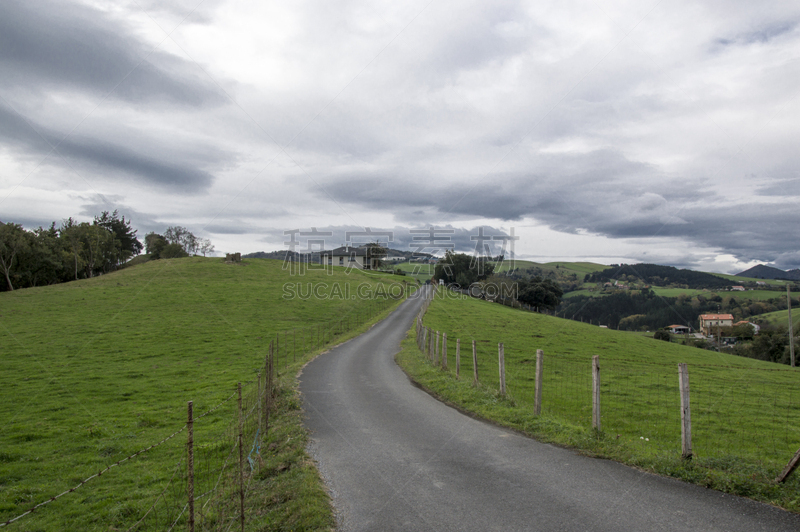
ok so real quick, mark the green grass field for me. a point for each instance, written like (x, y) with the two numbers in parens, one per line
(780, 317)
(422, 272)
(737, 279)
(578, 268)
(95, 370)
(745, 413)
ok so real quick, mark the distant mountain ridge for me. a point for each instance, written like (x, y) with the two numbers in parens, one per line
(294, 256)
(762, 271)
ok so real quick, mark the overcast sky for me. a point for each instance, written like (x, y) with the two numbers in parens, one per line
(652, 131)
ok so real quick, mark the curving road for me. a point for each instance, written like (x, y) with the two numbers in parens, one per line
(394, 458)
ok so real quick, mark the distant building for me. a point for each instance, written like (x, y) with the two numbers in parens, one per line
(678, 329)
(738, 288)
(755, 326)
(351, 257)
(710, 322)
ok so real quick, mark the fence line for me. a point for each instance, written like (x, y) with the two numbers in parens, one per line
(735, 413)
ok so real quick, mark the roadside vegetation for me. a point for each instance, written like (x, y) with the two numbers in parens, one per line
(97, 369)
(744, 412)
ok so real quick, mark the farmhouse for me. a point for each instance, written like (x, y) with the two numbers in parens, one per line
(755, 326)
(710, 322)
(678, 329)
(363, 258)
(737, 288)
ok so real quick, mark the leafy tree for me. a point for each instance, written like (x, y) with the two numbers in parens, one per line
(129, 245)
(462, 269)
(14, 241)
(154, 243)
(540, 293)
(662, 335)
(181, 236)
(71, 233)
(173, 251)
(44, 264)
(92, 248)
(206, 246)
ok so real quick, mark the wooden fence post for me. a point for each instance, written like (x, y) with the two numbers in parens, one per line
(789, 467)
(458, 357)
(428, 344)
(686, 413)
(190, 465)
(267, 392)
(791, 325)
(444, 351)
(436, 352)
(596, 392)
(241, 459)
(474, 365)
(537, 393)
(501, 356)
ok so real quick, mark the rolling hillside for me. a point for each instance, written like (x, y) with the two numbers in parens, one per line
(95, 370)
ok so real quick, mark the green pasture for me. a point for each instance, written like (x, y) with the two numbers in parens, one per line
(780, 317)
(92, 371)
(742, 280)
(565, 268)
(423, 272)
(577, 267)
(745, 413)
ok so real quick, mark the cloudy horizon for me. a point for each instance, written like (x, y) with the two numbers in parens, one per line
(625, 132)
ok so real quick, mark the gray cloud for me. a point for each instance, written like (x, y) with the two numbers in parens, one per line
(602, 193)
(154, 168)
(761, 35)
(56, 44)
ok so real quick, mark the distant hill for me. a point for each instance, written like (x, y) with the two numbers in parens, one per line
(762, 271)
(293, 256)
(660, 276)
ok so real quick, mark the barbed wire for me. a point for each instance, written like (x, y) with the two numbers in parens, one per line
(333, 324)
(231, 396)
(98, 474)
(177, 468)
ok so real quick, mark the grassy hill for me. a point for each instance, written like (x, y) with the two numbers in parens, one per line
(780, 317)
(415, 270)
(95, 370)
(745, 413)
(580, 269)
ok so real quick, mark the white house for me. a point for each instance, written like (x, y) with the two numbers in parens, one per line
(709, 323)
(363, 258)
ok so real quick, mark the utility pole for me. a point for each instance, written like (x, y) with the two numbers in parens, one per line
(791, 325)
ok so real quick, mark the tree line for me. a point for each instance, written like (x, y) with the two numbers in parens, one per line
(80, 250)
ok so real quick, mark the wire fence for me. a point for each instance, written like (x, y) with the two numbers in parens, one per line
(214, 456)
(737, 413)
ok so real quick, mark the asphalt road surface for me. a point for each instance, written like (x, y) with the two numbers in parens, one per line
(394, 458)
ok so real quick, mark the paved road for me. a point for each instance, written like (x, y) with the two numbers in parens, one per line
(397, 459)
